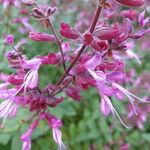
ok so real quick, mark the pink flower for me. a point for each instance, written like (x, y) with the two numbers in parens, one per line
(68, 32)
(15, 79)
(9, 39)
(140, 33)
(87, 38)
(41, 37)
(26, 137)
(104, 107)
(51, 58)
(131, 54)
(116, 76)
(129, 95)
(107, 86)
(99, 45)
(131, 3)
(73, 92)
(57, 135)
(7, 93)
(55, 124)
(7, 3)
(125, 147)
(113, 110)
(107, 33)
(142, 20)
(131, 14)
(31, 77)
(26, 145)
(3, 86)
(90, 65)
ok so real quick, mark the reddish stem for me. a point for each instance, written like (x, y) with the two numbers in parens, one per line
(16, 50)
(61, 89)
(59, 44)
(91, 29)
(57, 39)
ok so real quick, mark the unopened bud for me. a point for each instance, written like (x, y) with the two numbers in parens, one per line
(131, 3)
(50, 11)
(39, 12)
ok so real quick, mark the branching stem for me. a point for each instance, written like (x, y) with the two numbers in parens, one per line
(91, 30)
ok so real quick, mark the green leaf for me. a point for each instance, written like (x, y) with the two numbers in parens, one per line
(16, 143)
(146, 136)
(4, 138)
(86, 136)
(40, 131)
(134, 138)
(15, 123)
(64, 108)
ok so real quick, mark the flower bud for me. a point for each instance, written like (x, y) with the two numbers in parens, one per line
(9, 39)
(39, 12)
(73, 92)
(50, 11)
(116, 76)
(131, 3)
(68, 32)
(13, 59)
(51, 58)
(130, 14)
(15, 80)
(107, 33)
(87, 38)
(41, 37)
(99, 45)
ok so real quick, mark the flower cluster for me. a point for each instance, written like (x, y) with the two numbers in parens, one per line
(98, 63)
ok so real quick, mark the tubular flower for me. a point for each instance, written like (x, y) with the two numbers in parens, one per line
(26, 137)
(108, 33)
(3, 86)
(55, 124)
(127, 93)
(142, 20)
(57, 135)
(31, 77)
(104, 107)
(41, 37)
(131, 3)
(68, 32)
(9, 39)
(107, 86)
(26, 145)
(113, 110)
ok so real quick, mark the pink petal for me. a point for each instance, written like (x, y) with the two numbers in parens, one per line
(104, 107)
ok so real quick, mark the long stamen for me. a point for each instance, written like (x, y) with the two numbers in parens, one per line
(114, 111)
(24, 84)
(127, 92)
(133, 55)
(129, 97)
(57, 135)
(97, 77)
(6, 112)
